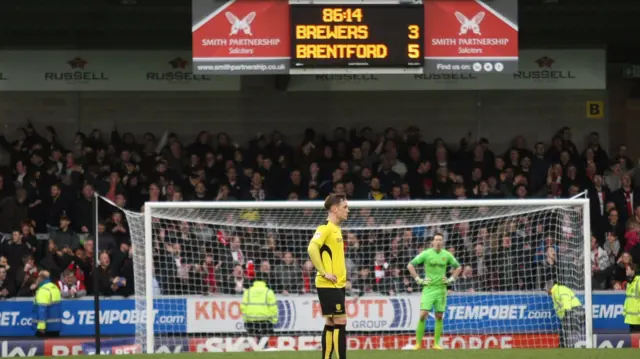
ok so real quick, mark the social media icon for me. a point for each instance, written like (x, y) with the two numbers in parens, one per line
(499, 66)
(488, 67)
(477, 67)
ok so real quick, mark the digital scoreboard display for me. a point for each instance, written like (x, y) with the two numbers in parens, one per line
(380, 38)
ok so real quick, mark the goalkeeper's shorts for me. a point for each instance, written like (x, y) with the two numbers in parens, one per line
(435, 301)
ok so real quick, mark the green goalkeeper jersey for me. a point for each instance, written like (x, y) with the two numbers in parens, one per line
(435, 266)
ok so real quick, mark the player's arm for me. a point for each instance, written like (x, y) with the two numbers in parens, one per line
(453, 262)
(411, 267)
(314, 249)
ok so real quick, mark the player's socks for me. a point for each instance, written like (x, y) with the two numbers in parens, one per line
(340, 340)
(437, 332)
(420, 332)
(327, 342)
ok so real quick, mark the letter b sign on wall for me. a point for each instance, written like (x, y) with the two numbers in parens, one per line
(595, 109)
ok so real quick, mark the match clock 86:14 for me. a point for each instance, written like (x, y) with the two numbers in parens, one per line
(363, 36)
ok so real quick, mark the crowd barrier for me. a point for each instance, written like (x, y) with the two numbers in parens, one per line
(494, 313)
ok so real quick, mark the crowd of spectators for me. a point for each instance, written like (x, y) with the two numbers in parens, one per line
(46, 212)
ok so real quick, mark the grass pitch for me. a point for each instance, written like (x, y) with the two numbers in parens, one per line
(421, 354)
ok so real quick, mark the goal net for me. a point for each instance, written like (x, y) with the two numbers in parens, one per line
(194, 260)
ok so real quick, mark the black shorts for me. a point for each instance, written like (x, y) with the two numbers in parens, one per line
(332, 301)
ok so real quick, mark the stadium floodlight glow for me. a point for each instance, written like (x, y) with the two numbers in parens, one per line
(517, 233)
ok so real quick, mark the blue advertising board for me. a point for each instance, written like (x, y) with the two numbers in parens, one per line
(117, 317)
(530, 313)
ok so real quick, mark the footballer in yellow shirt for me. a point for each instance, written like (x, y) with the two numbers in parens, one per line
(326, 251)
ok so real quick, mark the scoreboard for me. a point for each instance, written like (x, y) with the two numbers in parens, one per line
(238, 37)
(362, 36)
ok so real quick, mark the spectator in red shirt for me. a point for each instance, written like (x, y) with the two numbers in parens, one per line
(70, 286)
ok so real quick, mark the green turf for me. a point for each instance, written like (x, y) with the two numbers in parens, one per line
(422, 354)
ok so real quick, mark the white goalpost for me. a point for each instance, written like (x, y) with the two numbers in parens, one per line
(193, 260)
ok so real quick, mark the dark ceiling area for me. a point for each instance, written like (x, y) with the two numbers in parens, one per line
(166, 24)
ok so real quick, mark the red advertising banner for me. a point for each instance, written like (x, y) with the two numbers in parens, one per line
(240, 37)
(471, 36)
(371, 342)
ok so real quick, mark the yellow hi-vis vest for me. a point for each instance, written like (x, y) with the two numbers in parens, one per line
(632, 302)
(259, 304)
(563, 299)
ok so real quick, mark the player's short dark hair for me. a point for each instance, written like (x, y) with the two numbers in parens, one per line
(333, 200)
(437, 234)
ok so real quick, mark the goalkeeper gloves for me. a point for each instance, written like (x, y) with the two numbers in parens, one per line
(423, 282)
(448, 281)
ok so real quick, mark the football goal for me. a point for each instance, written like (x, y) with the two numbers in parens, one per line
(193, 260)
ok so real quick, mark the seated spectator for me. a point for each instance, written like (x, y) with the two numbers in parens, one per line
(70, 286)
(65, 236)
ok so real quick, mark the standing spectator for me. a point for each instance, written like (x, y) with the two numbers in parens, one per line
(64, 236)
(613, 225)
(288, 275)
(481, 265)
(626, 198)
(83, 211)
(57, 207)
(308, 275)
(70, 286)
(14, 250)
(107, 284)
(466, 282)
(506, 262)
(623, 272)
(7, 285)
(122, 267)
(27, 277)
(118, 228)
(600, 265)
(14, 211)
(549, 267)
(598, 197)
(264, 272)
(236, 283)
(380, 272)
(612, 247)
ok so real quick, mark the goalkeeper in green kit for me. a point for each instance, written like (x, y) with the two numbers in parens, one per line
(434, 286)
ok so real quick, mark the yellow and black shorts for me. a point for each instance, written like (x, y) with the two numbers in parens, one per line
(332, 301)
